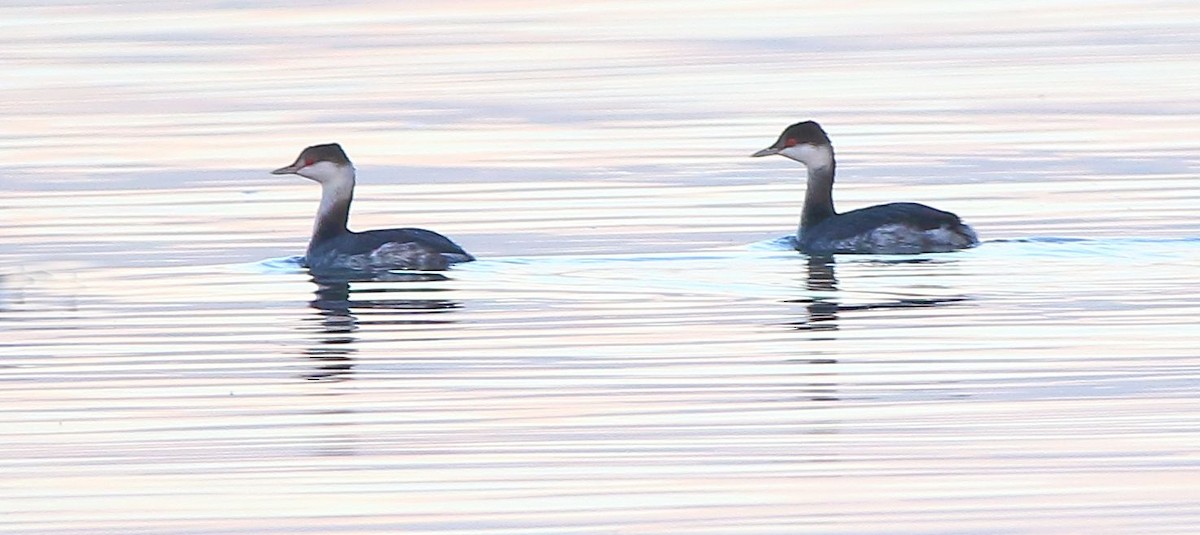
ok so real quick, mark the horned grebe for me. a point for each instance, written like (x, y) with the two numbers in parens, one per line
(334, 247)
(894, 228)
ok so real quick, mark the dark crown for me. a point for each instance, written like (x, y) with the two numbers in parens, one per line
(807, 132)
(329, 152)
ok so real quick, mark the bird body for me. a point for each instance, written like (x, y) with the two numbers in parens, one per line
(334, 246)
(893, 228)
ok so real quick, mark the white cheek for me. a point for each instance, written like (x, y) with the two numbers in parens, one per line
(809, 155)
(795, 152)
(321, 172)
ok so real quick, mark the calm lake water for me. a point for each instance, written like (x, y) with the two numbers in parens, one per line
(634, 352)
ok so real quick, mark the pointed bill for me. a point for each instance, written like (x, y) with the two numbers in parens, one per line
(766, 152)
(289, 170)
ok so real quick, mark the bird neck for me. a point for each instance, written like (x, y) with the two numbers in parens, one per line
(818, 195)
(334, 211)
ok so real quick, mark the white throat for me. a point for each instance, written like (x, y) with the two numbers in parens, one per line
(337, 190)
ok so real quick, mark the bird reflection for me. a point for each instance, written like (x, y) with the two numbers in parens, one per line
(394, 299)
(823, 306)
(822, 310)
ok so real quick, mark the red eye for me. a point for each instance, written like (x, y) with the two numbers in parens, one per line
(791, 142)
(308, 162)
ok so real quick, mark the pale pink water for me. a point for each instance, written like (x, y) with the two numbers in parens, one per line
(630, 355)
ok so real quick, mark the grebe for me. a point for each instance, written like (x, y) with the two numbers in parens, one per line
(894, 228)
(334, 247)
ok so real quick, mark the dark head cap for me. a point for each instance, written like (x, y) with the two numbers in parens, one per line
(329, 152)
(805, 133)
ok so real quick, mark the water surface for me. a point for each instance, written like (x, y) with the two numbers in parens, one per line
(634, 352)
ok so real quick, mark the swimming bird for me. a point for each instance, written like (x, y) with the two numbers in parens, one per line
(335, 247)
(893, 228)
